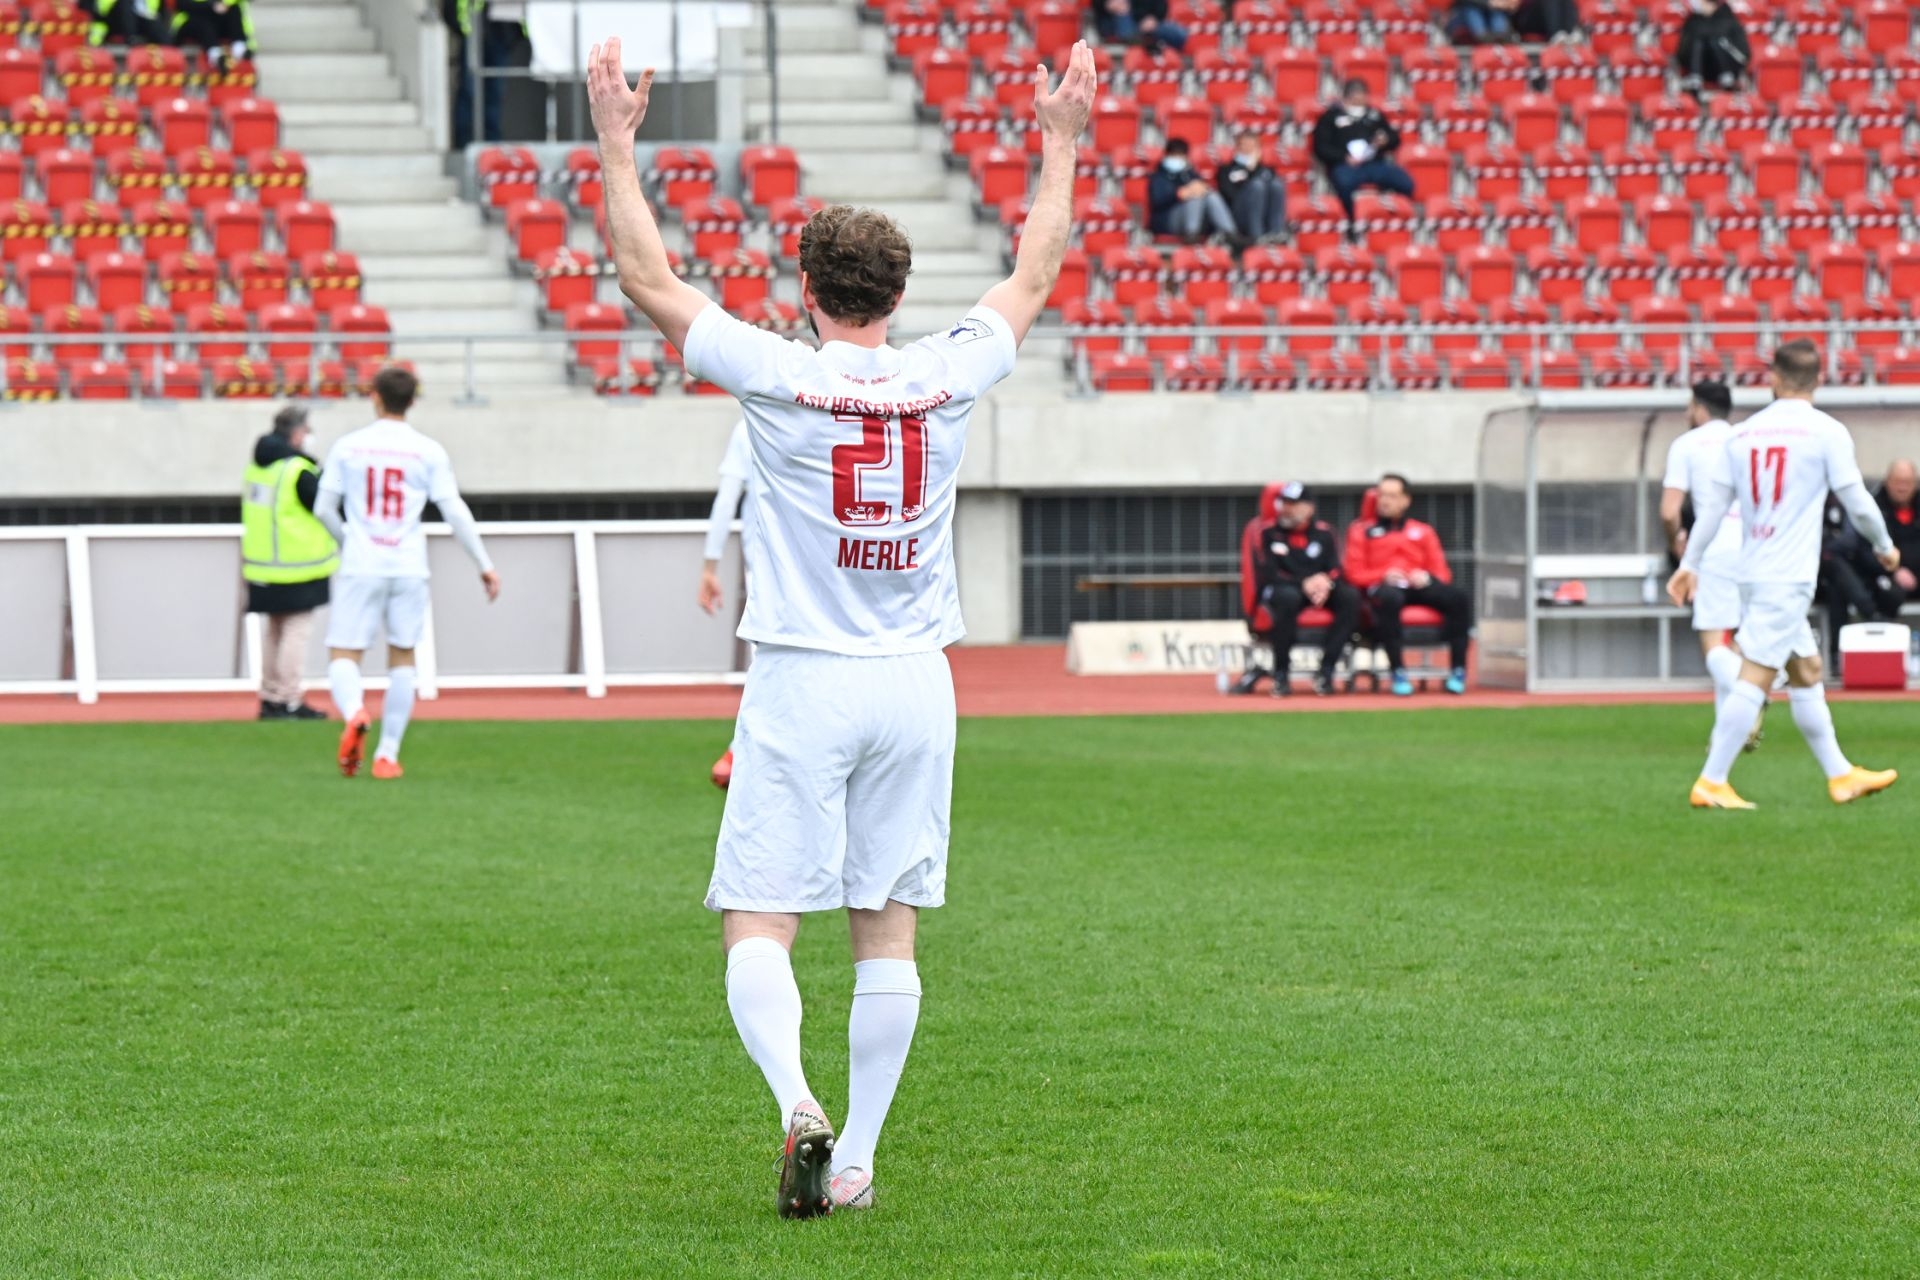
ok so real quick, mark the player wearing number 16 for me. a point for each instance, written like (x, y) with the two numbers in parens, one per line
(1776, 468)
(376, 485)
(844, 759)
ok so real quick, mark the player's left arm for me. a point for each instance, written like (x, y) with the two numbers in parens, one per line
(646, 274)
(1849, 488)
(1062, 114)
(1708, 515)
(445, 493)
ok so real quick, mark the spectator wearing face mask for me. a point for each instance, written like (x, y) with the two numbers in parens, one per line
(1355, 144)
(1297, 567)
(1182, 203)
(1254, 193)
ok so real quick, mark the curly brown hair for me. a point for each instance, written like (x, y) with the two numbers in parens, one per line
(857, 262)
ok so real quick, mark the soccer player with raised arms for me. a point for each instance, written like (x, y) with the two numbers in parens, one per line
(1777, 468)
(846, 729)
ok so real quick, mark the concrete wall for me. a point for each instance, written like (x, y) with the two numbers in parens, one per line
(414, 38)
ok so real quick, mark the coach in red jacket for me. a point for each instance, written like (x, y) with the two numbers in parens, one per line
(1396, 561)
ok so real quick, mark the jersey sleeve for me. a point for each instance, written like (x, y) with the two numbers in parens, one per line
(1677, 477)
(333, 475)
(732, 354)
(1843, 467)
(441, 486)
(980, 349)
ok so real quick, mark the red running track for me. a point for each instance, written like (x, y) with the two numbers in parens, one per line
(1021, 680)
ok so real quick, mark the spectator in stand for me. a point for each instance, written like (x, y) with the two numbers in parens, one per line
(1356, 145)
(500, 30)
(1554, 20)
(1902, 509)
(1713, 53)
(224, 28)
(1396, 561)
(1852, 579)
(132, 22)
(1481, 21)
(1141, 22)
(1254, 192)
(1182, 203)
(1299, 569)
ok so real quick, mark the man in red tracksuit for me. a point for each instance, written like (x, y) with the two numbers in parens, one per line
(1395, 562)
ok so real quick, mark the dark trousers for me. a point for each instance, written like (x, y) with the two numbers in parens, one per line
(1547, 18)
(1286, 601)
(1452, 603)
(1379, 172)
(497, 42)
(1847, 590)
(202, 27)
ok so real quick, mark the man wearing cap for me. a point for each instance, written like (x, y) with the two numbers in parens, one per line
(286, 555)
(1298, 568)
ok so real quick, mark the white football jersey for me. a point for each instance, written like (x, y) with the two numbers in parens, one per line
(1781, 463)
(738, 464)
(1691, 462)
(856, 461)
(386, 473)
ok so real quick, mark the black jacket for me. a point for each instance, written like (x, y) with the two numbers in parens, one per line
(286, 597)
(1720, 32)
(1237, 173)
(1163, 196)
(1291, 556)
(1906, 532)
(1338, 126)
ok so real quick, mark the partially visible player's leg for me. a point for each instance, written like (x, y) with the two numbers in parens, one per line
(765, 1000)
(358, 602)
(898, 804)
(408, 601)
(1846, 781)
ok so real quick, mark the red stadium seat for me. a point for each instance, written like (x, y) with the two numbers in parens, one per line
(1559, 271)
(1225, 74)
(682, 175)
(17, 326)
(1497, 170)
(1154, 74)
(1346, 273)
(65, 175)
(244, 378)
(1671, 121)
(289, 318)
(1292, 73)
(157, 73)
(590, 318)
(1554, 369)
(1456, 323)
(1477, 370)
(1699, 270)
(1880, 323)
(1571, 70)
(1376, 314)
(1879, 118)
(189, 281)
(1464, 122)
(986, 24)
(1189, 118)
(507, 175)
(74, 322)
(1735, 222)
(1172, 318)
(1596, 323)
(26, 228)
(1307, 313)
(92, 228)
(1769, 270)
(1662, 310)
(1774, 168)
(331, 280)
(1502, 71)
(1533, 119)
(1318, 223)
(101, 380)
(1115, 372)
(163, 227)
(1874, 218)
(1802, 316)
(85, 75)
(146, 333)
(206, 177)
(1810, 120)
(1359, 62)
(1525, 222)
(1776, 72)
(1116, 123)
(1734, 323)
(176, 380)
(1900, 265)
(372, 332)
(13, 176)
(786, 219)
(1742, 119)
(1640, 75)
(22, 72)
(1664, 222)
(1455, 222)
(1193, 373)
(48, 281)
(1841, 168)
(1101, 223)
(1624, 369)
(1628, 270)
(1839, 270)
(1594, 220)
(1636, 170)
(745, 276)
(277, 177)
(218, 320)
(533, 227)
(1488, 272)
(969, 125)
(1419, 273)
(1202, 274)
(1010, 72)
(1604, 120)
(1095, 324)
(942, 75)
(1239, 313)
(1433, 74)
(259, 279)
(117, 280)
(137, 174)
(1564, 170)
(1383, 220)
(1275, 272)
(775, 316)
(1703, 169)
(1337, 371)
(183, 124)
(252, 124)
(1074, 278)
(235, 226)
(1886, 24)
(913, 27)
(31, 380)
(1270, 371)
(566, 278)
(999, 175)
(40, 124)
(769, 173)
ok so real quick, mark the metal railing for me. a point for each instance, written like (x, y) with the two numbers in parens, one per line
(1228, 359)
(671, 77)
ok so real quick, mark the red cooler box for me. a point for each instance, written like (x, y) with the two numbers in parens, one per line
(1873, 655)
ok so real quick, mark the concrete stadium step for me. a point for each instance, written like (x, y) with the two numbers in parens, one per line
(795, 89)
(355, 139)
(447, 267)
(935, 226)
(850, 116)
(443, 379)
(274, 67)
(341, 169)
(322, 87)
(431, 230)
(340, 36)
(882, 186)
(421, 320)
(365, 114)
(494, 292)
(379, 188)
(902, 136)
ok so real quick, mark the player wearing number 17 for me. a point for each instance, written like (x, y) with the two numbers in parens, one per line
(1778, 467)
(845, 738)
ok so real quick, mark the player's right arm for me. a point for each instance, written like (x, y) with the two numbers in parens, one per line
(1673, 496)
(1719, 501)
(329, 505)
(1043, 241)
(646, 275)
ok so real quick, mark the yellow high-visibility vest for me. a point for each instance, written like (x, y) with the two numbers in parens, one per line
(282, 541)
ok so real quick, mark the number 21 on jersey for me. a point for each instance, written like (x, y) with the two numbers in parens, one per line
(856, 467)
(1760, 462)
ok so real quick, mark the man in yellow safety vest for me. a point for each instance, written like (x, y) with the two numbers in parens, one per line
(287, 556)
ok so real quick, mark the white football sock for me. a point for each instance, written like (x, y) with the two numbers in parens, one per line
(1731, 725)
(886, 1005)
(1723, 664)
(343, 681)
(395, 712)
(1815, 722)
(765, 1002)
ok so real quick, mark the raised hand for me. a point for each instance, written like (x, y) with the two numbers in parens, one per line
(1063, 113)
(617, 109)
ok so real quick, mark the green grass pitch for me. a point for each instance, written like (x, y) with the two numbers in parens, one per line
(1462, 993)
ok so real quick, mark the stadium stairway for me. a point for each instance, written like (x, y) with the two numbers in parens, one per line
(426, 256)
(852, 121)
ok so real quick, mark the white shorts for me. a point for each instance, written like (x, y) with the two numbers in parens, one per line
(842, 783)
(1773, 623)
(362, 605)
(1716, 603)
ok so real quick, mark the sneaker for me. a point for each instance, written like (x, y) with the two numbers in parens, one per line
(804, 1164)
(387, 770)
(723, 770)
(1324, 685)
(1402, 687)
(851, 1189)
(301, 711)
(353, 743)
(1247, 683)
(1282, 686)
(1858, 782)
(1456, 681)
(1716, 795)
(274, 711)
